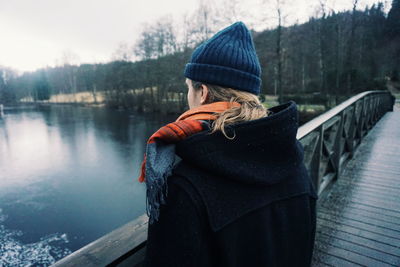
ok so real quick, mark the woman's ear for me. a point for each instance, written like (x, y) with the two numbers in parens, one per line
(204, 94)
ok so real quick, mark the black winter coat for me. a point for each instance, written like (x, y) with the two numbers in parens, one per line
(241, 202)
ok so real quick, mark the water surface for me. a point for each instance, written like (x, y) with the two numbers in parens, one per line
(67, 177)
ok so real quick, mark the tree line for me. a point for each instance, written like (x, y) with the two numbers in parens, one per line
(334, 54)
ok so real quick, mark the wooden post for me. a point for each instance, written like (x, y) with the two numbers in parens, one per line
(337, 146)
(362, 119)
(352, 131)
(316, 162)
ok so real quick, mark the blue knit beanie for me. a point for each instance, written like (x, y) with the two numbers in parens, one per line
(227, 59)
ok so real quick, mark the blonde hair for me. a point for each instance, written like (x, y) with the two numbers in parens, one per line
(250, 106)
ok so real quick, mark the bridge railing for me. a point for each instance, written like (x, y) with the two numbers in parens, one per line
(329, 141)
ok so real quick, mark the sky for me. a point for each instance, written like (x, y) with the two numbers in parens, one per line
(40, 33)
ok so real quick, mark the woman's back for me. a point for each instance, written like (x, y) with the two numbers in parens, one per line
(241, 202)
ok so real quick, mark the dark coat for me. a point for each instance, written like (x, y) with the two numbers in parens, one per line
(241, 202)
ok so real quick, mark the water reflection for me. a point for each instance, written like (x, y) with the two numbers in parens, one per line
(71, 172)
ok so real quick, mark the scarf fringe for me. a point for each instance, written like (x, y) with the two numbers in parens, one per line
(159, 159)
(156, 195)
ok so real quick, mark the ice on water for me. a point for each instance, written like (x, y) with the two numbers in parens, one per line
(44, 252)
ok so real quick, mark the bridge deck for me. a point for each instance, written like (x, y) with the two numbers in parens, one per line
(358, 221)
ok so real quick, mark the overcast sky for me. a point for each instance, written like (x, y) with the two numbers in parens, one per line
(36, 33)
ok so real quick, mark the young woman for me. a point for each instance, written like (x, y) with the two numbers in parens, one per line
(226, 183)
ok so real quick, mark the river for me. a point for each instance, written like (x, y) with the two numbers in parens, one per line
(67, 177)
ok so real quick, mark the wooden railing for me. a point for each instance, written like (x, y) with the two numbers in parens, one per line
(329, 141)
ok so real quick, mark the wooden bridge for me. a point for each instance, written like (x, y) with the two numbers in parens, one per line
(359, 219)
(353, 156)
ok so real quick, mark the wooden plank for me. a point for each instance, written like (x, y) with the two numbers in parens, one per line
(393, 206)
(343, 200)
(355, 174)
(319, 263)
(110, 247)
(379, 176)
(361, 226)
(370, 243)
(331, 260)
(372, 192)
(369, 176)
(368, 194)
(380, 197)
(377, 189)
(350, 256)
(381, 170)
(374, 164)
(376, 192)
(135, 260)
(356, 217)
(377, 210)
(360, 232)
(363, 213)
(377, 204)
(372, 253)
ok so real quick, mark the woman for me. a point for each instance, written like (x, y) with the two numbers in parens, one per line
(226, 183)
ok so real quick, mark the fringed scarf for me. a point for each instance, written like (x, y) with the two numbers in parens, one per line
(160, 151)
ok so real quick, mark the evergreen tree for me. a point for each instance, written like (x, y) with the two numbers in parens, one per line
(7, 94)
(393, 39)
(41, 87)
(393, 21)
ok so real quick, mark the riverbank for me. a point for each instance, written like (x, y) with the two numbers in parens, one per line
(81, 98)
(140, 100)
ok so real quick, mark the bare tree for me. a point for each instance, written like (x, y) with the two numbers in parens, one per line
(69, 61)
(144, 48)
(350, 49)
(165, 37)
(157, 40)
(322, 45)
(122, 53)
(279, 16)
(69, 57)
(203, 23)
(230, 11)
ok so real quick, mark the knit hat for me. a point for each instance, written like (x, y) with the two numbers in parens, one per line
(227, 59)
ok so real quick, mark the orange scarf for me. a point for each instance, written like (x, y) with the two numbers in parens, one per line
(186, 125)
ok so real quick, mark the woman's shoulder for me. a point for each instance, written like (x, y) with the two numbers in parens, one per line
(226, 200)
(180, 183)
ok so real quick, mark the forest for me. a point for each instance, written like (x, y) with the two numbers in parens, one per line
(332, 55)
